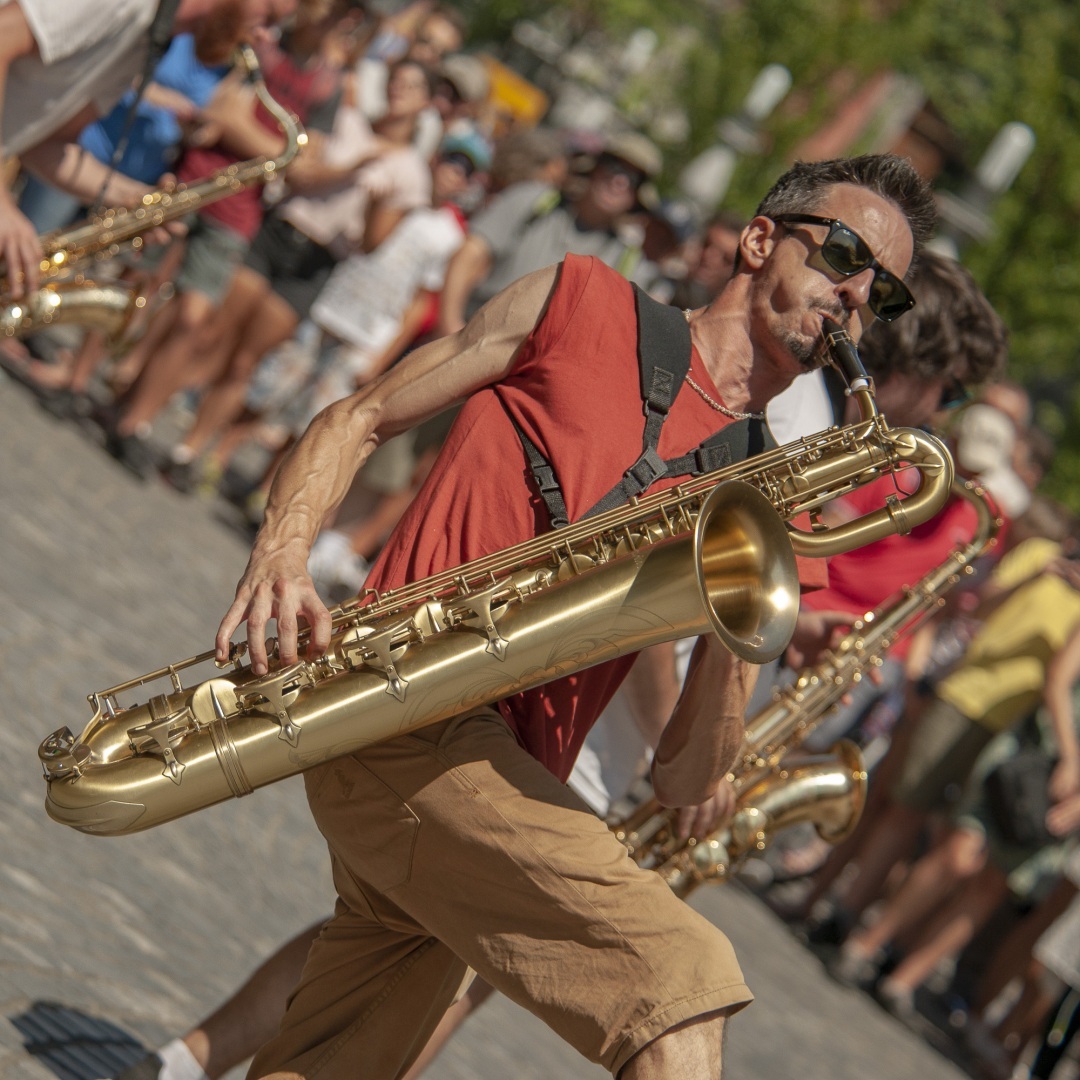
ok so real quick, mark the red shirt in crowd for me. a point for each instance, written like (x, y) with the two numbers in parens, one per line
(863, 579)
(310, 93)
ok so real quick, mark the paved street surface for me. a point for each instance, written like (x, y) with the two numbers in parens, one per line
(110, 945)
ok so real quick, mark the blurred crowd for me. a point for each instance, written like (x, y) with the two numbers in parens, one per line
(417, 198)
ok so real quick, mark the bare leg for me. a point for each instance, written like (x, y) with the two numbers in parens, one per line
(454, 1017)
(952, 928)
(272, 322)
(890, 838)
(1023, 1021)
(691, 1050)
(237, 1028)
(178, 364)
(1014, 954)
(161, 327)
(931, 880)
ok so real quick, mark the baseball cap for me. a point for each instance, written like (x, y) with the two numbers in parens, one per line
(471, 143)
(635, 149)
(467, 74)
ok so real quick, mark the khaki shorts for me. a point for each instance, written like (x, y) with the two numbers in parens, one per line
(453, 848)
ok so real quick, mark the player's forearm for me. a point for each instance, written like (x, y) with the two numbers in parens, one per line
(702, 739)
(312, 481)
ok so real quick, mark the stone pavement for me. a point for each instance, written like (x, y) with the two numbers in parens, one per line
(111, 944)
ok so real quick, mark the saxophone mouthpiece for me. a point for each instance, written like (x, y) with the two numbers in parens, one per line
(844, 356)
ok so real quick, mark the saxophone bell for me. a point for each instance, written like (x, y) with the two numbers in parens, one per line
(746, 572)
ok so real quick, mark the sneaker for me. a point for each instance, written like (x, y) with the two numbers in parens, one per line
(65, 403)
(854, 968)
(336, 570)
(181, 475)
(831, 929)
(896, 999)
(133, 453)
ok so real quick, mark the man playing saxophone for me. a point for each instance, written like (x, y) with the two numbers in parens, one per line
(599, 949)
(62, 66)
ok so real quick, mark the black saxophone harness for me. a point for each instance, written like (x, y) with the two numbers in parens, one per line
(664, 349)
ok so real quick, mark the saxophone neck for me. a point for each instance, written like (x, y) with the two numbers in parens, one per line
(844, 357)
(295, 136)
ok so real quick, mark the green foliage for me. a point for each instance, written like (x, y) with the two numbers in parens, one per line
(981, 65)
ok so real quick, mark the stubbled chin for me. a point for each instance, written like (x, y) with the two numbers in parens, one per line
(807, 352)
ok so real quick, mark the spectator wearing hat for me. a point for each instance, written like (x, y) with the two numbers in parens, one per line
(529, 154)
(533, 224)
(669, 229)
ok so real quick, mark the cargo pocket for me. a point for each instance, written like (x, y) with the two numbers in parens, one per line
(368, 827)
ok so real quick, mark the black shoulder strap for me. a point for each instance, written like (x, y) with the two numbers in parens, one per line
(664, 350)
(663, 360)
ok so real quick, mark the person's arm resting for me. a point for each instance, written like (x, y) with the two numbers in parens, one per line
(702, 739)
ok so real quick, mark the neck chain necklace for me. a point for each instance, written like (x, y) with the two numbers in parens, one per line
(734, 414)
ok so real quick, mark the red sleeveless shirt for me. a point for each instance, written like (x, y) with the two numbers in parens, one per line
(575, 391)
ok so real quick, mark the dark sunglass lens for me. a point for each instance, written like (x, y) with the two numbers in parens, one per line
(889, 297)
(845, 252)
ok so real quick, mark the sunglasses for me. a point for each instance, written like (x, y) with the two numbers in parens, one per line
(953, 394)
(462, 161)
(614, 166)
(848, 254)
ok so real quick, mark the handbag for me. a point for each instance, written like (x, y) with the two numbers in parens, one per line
(1018, 799)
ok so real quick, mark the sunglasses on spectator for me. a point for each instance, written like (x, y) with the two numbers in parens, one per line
(953, 394)
(848, 254)
(462, 161)
(614, 166)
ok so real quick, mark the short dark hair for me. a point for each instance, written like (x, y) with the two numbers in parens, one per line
(804, 186)
(952, 330)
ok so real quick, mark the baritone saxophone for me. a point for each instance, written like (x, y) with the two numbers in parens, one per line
(774, 785)
(716, 553)
(68, 292)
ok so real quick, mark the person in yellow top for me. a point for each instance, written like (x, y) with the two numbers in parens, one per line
(1036, 605)
(1028, 608)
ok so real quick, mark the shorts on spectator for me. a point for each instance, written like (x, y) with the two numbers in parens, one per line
(212, 252)
(296, 267)
(942, 753)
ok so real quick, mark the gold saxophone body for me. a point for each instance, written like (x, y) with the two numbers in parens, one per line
(68, 294)
(774, 785)
(714, 553)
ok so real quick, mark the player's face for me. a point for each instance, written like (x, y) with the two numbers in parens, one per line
(795, 287)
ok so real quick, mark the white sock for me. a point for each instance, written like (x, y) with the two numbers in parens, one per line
(178, 1062)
